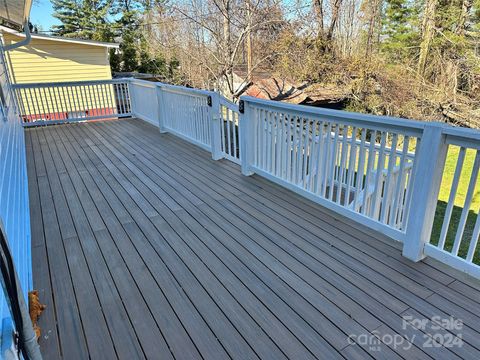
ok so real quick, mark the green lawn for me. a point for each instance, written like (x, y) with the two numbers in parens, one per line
(459, 202)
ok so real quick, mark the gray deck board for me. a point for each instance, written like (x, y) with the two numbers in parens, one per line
(43, 283)
(143, 247)
(64, 304)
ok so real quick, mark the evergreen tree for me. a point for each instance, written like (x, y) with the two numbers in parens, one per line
(452, 57)
(400, 29)
(114, 20)
(127, 30)
(130, 35)
(69, 13)
(94, 22)
(149, 63)
(85, 19)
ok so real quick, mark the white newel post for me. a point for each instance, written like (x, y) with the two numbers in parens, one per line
(215, 123)
(246, 135)
(427, 179)
(133, 105)
(161, 109)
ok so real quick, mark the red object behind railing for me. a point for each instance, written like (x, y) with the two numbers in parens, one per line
(48, 103)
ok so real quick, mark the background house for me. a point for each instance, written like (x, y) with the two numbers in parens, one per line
(49, 59)
(267, 86)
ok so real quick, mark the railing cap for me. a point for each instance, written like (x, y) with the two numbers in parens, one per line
(177, 88)
(67, 83)
(375, 120)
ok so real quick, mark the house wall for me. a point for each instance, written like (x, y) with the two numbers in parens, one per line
(54, 61)
(14, 205)
(45, 61)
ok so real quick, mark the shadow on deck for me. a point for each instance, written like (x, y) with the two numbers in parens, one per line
(143, 247)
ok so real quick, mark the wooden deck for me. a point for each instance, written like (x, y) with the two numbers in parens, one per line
(143, 247)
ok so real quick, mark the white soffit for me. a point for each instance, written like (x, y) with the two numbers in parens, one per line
(15, 11)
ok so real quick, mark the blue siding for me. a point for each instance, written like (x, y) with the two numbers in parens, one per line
(14, 208)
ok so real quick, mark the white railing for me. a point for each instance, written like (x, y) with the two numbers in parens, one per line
(457, 242)
(143, 95)
(187, 113)
(348, 162)
(379, 171)
(48, 103)
(229, 130)
(373, 189)
(201, 117)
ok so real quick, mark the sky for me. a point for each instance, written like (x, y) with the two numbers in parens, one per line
(41, 14)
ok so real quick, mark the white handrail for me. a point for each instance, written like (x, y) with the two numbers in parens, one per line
(413, 127)
(68, 83)
(382, 172)
(202, 117)
(314, 152)
(52, 103)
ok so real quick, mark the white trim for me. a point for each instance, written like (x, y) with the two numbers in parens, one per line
(173, 88)
(62, 39)
(427, 175)
(144, 83)
(451, 260)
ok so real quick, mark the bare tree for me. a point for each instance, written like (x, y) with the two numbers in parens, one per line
(228, 27)
(319, 14)
(428, 31)
(373, 16)
(356, 45)
(334, 17)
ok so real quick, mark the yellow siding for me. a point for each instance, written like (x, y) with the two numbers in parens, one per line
(53, 61)
(67, 101)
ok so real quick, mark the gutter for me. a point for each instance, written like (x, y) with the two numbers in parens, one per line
(26, 41)
(26, 28)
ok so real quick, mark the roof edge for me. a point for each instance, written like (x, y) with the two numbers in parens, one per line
(26, 11)
(61, 39)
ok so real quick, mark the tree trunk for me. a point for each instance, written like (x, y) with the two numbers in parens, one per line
(350, 28)
(318, 7)
(249, 43)
(335, 14)
(373, 21)
(227, 46)
(428, 31)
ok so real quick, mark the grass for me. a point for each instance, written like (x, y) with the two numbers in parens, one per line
(447, 181)
(448, 173)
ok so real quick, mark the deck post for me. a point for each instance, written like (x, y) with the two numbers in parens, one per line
(215, 123)
(246, 136)
(133, 105)
(427, 178)
(161, 109)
